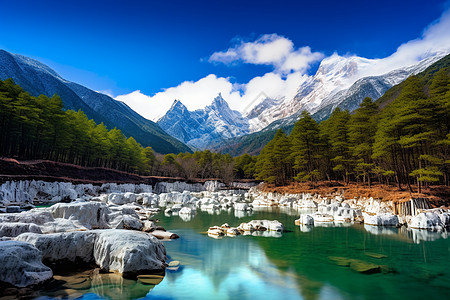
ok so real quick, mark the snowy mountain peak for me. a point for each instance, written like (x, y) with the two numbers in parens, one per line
(177, 105)
(201, 127)
(219, 103)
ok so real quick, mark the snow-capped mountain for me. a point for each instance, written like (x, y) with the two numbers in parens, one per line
(339, 81)
(37, 78)
(201, 127)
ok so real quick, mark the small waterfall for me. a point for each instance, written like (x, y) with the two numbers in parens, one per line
(412, 207)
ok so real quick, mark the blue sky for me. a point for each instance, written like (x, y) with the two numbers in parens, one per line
(124, 46)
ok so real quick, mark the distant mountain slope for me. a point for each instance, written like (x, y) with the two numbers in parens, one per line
(202, 127)
(373, 87)
(37, 78)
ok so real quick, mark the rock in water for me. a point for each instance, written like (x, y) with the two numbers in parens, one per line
(364, 267)
(128, 252)
(21, 264)
(427, 220)
(63, 247)
(150, 279)
(113, 250)
(356, 265)
(385, 219)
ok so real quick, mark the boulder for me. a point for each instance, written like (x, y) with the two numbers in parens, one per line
(116, 198)
(128, 252)
(306, 203)
(113, 250)
(89, 214)
(63, 247)
(149, 226)
(232, 231)
(15, 229)
(384, 219)
(21, 264)
(61, 225)
(186, 211)
(35, 216)
(305, 220)
(427, 220)
(241, 206)
(164, 235)
(215, 231)
(322, 218)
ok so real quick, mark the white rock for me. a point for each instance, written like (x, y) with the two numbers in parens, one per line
(445, 219)
(149, 226)
(232, 231)
(59, 247)
(15, 229)
(241, 206)
(246, 227)
(128, 251)
(61, 225)
(427, 220)
(266, 225)
(116, 198)
(305, 220)
(186, 211)
(384, 219)
(89, 214)
(216, 231)
(113, 250)
(306, 203)
(35, 216)
(320, 218)
(21, 264)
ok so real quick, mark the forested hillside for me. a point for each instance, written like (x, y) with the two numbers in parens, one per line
(37, 78)
(39, 128)
(253, 143)
(406, 140)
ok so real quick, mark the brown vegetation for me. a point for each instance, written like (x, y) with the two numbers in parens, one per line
(437, 195)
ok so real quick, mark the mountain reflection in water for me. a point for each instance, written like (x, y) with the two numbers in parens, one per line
(338, 261)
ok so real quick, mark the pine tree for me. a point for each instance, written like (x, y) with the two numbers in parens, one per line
(305, 150)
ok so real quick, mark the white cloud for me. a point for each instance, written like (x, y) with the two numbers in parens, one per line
(193, 95)
(435, 39)
(270, 49)
(289, 65)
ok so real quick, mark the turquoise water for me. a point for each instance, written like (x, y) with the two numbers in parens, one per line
(296, 265)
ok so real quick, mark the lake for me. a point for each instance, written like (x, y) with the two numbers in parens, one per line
(302, 263)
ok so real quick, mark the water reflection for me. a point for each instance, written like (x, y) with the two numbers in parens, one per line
(415, 235)
(295, 265)
(377, 230)
(231, 268)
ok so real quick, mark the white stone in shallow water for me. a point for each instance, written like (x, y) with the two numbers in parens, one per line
(320, 218)
(112, 250)
(232, 231)
(128, 251)
(89, 214)
(384, 219)
(427, 220)
(186, 211)
(15, 229)
(65, 246)
(305, 220)
(21, 264)
(241, 206)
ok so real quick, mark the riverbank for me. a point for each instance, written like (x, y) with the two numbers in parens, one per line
(119, 216)
(437, 195)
